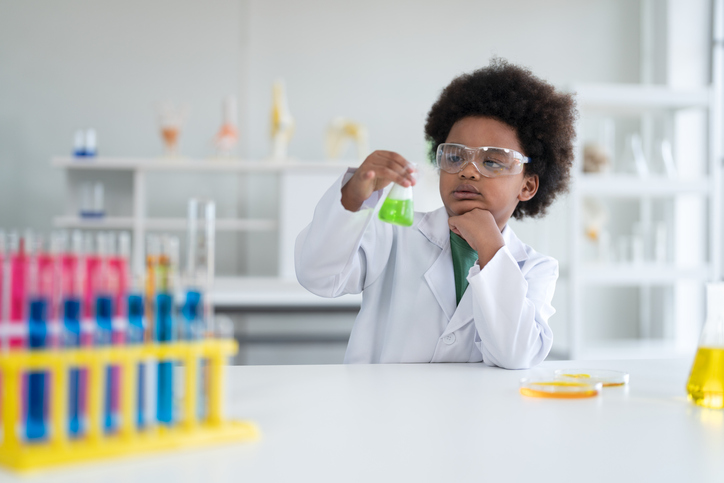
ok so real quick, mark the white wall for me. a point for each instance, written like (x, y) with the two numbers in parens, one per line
(80, 63)
(384, 63)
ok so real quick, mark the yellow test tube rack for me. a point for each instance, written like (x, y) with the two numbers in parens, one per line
(95, 444)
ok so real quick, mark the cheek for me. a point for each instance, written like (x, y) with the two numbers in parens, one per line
(445, 183)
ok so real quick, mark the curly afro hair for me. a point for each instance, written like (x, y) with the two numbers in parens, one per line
(543, 118)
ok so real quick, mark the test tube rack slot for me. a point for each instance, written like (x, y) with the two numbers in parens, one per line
(59, 449)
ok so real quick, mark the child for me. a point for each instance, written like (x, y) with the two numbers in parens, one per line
(457, 286)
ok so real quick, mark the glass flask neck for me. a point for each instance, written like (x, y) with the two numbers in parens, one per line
(713, 333)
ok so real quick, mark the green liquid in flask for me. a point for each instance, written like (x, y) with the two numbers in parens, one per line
(398, 208)
(706, 382)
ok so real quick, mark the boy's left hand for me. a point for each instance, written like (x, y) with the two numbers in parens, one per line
(479, 229)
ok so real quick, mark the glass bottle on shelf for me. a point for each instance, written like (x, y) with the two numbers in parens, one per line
(633, 160)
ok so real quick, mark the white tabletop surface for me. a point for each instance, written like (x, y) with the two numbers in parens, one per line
(444, 423)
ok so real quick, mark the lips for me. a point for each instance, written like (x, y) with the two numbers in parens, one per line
(466, 192)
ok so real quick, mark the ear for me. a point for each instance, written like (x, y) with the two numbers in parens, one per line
(529, 188)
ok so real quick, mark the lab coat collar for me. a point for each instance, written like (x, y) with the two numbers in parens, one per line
(440, 277)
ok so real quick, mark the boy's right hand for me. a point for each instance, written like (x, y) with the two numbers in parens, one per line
(376, 172)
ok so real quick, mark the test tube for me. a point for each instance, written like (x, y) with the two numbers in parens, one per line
(71, 288)
(120, 264)
(104, 320)
(153, 252)
(39, 293)
(198, 309)
(4, 296)
(198, 312)
(18, 288)
(165, 286)
(135, 335)
(90, 265)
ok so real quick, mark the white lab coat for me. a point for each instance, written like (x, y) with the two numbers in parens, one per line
(408, 312)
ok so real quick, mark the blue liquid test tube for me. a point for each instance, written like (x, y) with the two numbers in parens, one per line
(136, 330)
(164, 333)
(35, 427)
(104, 332)
(71, 324)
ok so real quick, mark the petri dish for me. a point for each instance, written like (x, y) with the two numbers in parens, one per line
(606, 377)
(559, 389)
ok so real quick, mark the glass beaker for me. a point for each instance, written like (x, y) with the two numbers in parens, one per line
(706, 381)
(171, 118)
(398, 206)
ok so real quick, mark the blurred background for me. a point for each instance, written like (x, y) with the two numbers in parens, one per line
(637, 237)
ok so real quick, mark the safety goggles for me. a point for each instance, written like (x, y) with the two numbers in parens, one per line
(490, 162)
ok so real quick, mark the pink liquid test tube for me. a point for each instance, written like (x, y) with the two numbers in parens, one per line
(91, 262)
(18, 290)
(3, 303)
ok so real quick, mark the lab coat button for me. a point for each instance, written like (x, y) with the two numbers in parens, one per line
(449, 339)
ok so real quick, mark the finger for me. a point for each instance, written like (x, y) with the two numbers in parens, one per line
(393, 175)
(384, 167)
(397, 159)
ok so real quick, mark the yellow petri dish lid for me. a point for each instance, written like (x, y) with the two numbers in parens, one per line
(558, 389)
(606, 377)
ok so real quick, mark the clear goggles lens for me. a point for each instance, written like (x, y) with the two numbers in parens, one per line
(489, 161)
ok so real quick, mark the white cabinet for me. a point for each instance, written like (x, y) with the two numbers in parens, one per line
(637, 290)
(274, 199)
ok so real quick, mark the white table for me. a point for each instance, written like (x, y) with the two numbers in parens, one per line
(444, 423)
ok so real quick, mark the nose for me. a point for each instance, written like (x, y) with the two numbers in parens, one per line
(469, 171)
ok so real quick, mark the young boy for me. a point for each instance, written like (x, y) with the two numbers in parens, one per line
(457, 286)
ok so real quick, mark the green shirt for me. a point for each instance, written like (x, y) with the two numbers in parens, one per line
(463, 257)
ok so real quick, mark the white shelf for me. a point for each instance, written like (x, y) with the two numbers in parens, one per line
(617, 185)
(645, 273)
(203, 165)
(265, 292)
(174, 224)
(638, 97)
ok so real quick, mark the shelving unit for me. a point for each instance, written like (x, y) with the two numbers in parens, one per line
(300, 185)
(642, 102)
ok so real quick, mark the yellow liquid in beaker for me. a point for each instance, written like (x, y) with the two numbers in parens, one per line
(397, 212)
(706, 382)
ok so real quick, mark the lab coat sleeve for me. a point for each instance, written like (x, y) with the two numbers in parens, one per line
(340, 251)
(511, 308)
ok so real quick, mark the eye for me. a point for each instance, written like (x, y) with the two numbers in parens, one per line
(494, 165)
(453, 158)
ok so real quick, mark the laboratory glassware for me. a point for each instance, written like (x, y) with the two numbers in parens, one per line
(228, 135)
(706, 381)
(18, 279)
(546, 387)
(71, 289)
(171, 118)
(606, 377)
(198, 312)
(136, 335)
(153, 252)
(103, 295)
(39, 296)
(166, 271)
(4, 297)
(398, 207)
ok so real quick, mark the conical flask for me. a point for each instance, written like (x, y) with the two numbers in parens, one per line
(398, 207)
(706, 382)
